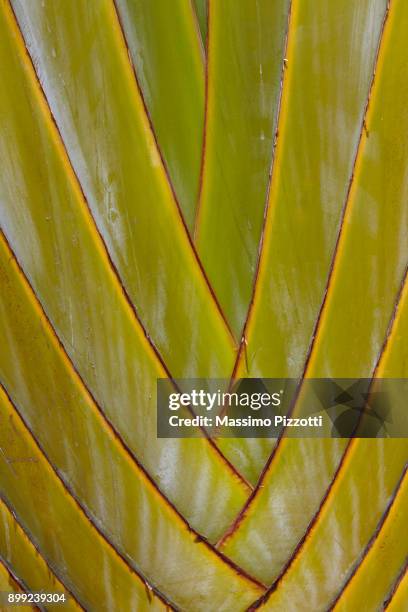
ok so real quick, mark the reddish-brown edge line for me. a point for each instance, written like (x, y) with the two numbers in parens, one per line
(205, 125)
(82, 509)
(396, 585)
(284, 68)
(316, 516)
(34, 545)
(170, 183)
(371, 542)
(122, 442)
(242, 344)
(235, 525)
(198, 29)
(16, 579)
(115, 271)
(146, 110)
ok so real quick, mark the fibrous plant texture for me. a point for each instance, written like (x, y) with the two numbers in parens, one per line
(199, 189)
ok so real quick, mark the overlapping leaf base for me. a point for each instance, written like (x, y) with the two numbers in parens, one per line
(199, 189)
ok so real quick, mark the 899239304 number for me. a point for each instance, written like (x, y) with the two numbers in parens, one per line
(32, 598)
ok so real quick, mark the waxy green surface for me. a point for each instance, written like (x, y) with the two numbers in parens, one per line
(54, 239)
(16, 549)
(372, 246)
(244, 61)
(34, 491)
(109, 484)
(167, 53)
(319, 130)
(93, 95)
(201, 11)
(384, 560)
(93, 200)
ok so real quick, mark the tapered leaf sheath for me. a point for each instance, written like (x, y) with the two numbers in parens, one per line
(9, 585)
(395, 362)
(245, 58)
(82, 61)
(344, 527)
(360, 494)
(330, 58)
(112, 488)
(16, 548)
(98, 577)
(398, 598)
(358, 498)
(267, 533)
(58, 247)
(373, 246)
(167, 54)
(200, 7)
(375, 575)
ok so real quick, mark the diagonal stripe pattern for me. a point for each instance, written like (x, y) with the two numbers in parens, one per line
(199, 189)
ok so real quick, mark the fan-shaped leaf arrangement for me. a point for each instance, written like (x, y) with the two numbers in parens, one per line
(199, 189)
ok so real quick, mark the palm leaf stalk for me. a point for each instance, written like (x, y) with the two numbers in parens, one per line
(199, 189)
